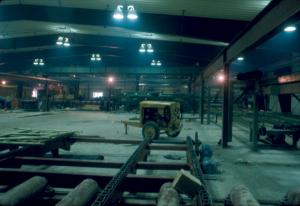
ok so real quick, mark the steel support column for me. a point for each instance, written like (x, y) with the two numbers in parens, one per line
(202, 99)
(255, 117)
(47, 101)
(230, 110)
(227, 109)
(19, 94)
(208, 104)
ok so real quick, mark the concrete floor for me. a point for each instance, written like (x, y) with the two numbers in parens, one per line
(268, 173)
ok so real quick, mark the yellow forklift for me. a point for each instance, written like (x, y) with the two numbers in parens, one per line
(157, 116)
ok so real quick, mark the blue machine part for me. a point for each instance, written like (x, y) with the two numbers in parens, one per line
(206, 151)
(209, 166)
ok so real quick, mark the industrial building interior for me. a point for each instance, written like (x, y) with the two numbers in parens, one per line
(149, 102)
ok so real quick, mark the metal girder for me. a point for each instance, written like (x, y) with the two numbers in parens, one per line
(92, 163)
(25, 77)
(261, 28)
(125, 70)
(152, 146)
(290, 88)
(132, 183)
(264, 25)
(148, 23)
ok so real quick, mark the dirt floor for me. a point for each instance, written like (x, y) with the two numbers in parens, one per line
(268, 173)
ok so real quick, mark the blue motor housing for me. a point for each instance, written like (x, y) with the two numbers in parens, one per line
(206, 151)
(209, 166)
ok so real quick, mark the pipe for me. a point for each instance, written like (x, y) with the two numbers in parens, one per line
(168, 196)
(23, 191)
(241, 196)
(81, 195)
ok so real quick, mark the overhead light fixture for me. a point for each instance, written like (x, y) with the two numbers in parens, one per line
(59, 40)
(132, 15)
(3, 82)
(118, 14)
(240, 58)
(142, 48)
(150, 48)
(153, 63)
(98, 58)
(146, 48)
(290, 28)
(63, 41)
(156, 63)
(67, 42)
(95, 57)
(41, 63)
(221, 77)
(110, 79)
(38, 62)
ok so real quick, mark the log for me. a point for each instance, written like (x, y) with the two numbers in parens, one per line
(81, 195)
(168, 196)
(24, 191)
(241, 196)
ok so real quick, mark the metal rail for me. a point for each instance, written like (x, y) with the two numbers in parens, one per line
(203, 197)
(106, 195)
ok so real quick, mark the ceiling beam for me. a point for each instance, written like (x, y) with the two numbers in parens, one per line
(264, 26)
(215, 29)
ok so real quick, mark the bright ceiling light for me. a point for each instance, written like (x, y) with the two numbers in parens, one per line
(150, 48)
(98, 58)
(142, 48)
(3, 82)
(67, 42)
(158, 63)
(221, 78)
(240, 58)
(93, 57)
(110, 79)
(41, 63)
(132, 15)
(290, 29)
(153, 63)
(35, 62)
(118, 14)
(59, 40)
(38, 62)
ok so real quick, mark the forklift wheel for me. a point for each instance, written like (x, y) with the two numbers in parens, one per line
(150, 130)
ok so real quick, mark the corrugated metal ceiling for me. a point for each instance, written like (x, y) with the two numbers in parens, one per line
(221, 9)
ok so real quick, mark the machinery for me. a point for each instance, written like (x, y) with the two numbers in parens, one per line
(279, 132)
(157, 116)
